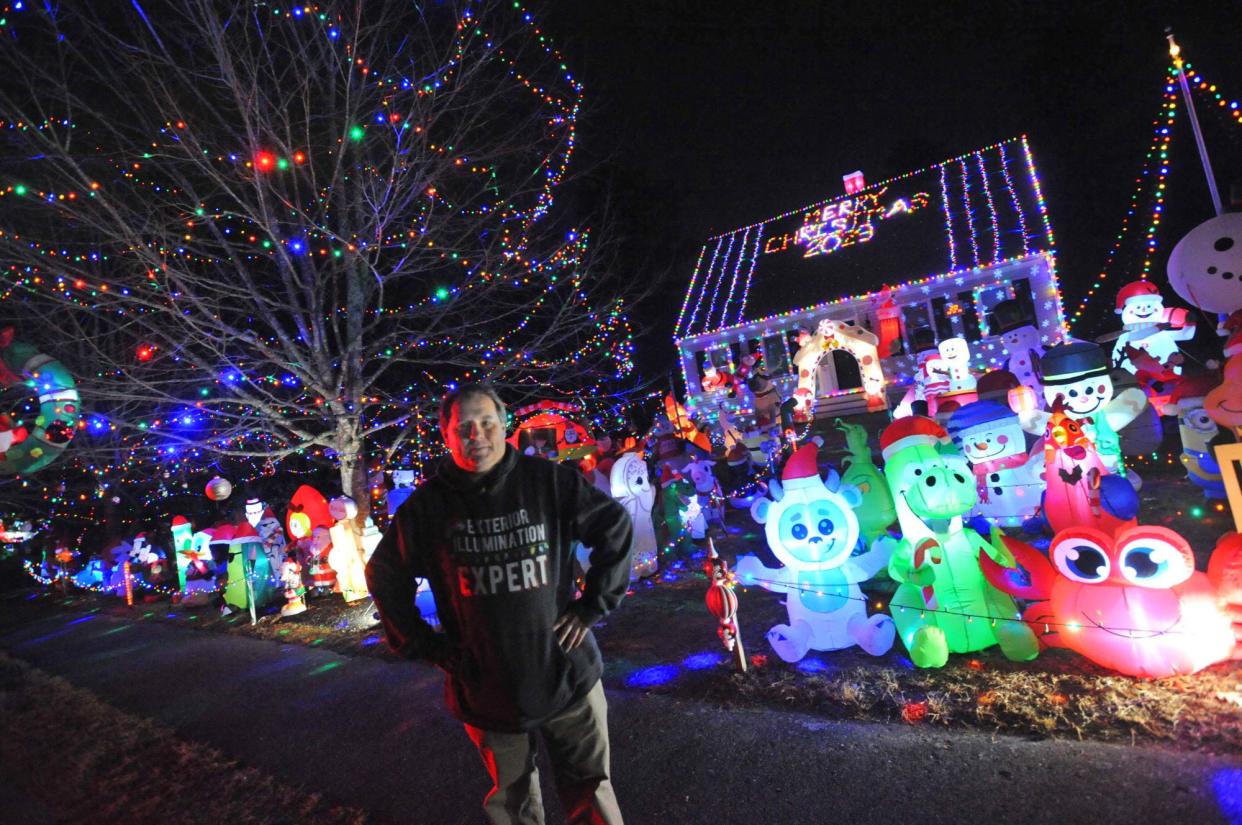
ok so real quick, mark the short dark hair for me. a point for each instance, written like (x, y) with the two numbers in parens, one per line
(477, 390)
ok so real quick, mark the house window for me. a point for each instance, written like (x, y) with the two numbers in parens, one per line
(942, 318)
(913, 316)
(775, 354)
(969, 316)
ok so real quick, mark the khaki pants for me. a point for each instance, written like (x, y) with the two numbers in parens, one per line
(577, 743)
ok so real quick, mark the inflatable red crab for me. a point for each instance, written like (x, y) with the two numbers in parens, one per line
(1131, 601)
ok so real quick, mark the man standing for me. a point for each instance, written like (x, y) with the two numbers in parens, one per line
(492, 532)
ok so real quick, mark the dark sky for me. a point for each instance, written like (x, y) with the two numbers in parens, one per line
(707, 116)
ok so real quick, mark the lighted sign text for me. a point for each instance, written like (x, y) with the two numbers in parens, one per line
(845, 223)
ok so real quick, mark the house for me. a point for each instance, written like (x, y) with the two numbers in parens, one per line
(932, 249)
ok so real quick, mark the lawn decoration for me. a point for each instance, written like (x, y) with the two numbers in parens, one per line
(718, 379)
(930, 377)
(632, 487)
(15, 531)
(1224, 403)
(26, 450)
(1008, 479)
(1157, 380)
(249, 574)
(1149, 326)
(767, 399)
(1130, 601)
(322, 576)
(218, 489)
(1077, 371)
(702, 473)
(676, 492)
(1080, 489)
(92, 575)
(1023, 344)
(1197, 430)
(295, 589)
(722, 603)
(345, 555)
(681, 426)
(943, 604)
(195, 571)
(308, 512)
(955, 365)
(1206, 265)
(273, 535)
(545, 428)
(811, 529)
(117, 555)
(402, 487)
(832, 335)
(370, 538)
(149, 560)
(875, 511)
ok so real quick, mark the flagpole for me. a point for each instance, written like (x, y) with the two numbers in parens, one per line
(1175, 51)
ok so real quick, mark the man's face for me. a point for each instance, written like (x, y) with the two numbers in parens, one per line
(475, 434)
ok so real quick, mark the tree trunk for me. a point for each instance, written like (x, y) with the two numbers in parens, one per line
(351, 453)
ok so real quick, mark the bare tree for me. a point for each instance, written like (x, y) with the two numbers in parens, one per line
(261, 231)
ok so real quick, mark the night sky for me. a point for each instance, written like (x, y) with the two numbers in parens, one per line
(705, 116)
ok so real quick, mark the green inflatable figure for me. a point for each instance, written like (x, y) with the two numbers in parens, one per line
(877, 511)
(250, 585)
(676, 494)
(943, 603)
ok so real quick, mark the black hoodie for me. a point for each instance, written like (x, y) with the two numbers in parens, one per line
(496, 549)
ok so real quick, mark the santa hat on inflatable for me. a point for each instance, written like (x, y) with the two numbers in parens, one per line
(911, 431)
(801, 469)
(669, 474)
(1135, 289)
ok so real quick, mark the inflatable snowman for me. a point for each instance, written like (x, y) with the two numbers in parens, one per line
(1007, 477)
(1022, 342)
(1149, 326)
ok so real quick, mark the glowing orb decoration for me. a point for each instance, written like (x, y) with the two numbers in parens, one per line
(218, 489)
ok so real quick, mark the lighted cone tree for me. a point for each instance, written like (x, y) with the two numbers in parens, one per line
(267, 230)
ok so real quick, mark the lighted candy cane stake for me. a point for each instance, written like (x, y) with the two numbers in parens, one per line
(722, 603)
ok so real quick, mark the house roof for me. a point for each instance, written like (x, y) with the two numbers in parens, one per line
(973, 210)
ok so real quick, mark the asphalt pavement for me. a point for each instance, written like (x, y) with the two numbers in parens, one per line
(374, 734)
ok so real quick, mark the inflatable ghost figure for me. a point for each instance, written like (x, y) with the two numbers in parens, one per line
(1147, 325)
(943, 604)
(1077, 373)
(1007, 477)
(1197, 430)
(811, 528)
(1023, 344)
(345, 556)
(632, 487)
(1130, 600)
(1206, 265)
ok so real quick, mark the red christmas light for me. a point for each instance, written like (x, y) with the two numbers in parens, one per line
(265, 162)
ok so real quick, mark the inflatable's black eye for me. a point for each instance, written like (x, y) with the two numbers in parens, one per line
(917, 471)
(799, 531)
(1084, 563)
(825, 526)
(1211, 270)
(1223, 244)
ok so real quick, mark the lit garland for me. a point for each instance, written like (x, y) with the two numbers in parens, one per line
(178, 440)
(1157, 159)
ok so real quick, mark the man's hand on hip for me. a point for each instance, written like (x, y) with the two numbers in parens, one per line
(570, 630)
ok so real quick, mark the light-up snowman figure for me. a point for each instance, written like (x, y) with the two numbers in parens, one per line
(1149, 326)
